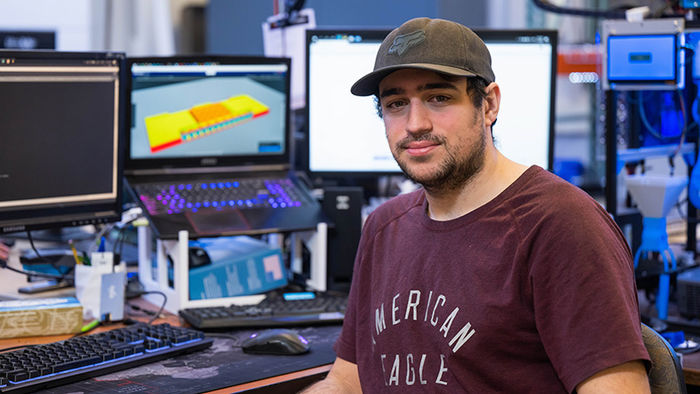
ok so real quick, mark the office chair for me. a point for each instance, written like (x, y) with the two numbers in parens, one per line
(666, 373)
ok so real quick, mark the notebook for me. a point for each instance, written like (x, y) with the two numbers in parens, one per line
(216, 125)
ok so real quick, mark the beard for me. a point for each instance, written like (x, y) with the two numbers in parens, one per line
(456, 170)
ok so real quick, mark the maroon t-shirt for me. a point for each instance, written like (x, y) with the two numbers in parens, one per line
(532, 292)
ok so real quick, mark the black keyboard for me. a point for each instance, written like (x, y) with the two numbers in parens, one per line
(274, 311)
(242, 193)
(41, 366)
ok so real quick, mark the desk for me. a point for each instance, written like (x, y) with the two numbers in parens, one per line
(691, 369)
(222, 368)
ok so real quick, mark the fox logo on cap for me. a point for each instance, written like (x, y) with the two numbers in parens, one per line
(405, 41)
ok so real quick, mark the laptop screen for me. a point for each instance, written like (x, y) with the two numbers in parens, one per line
(208, 111)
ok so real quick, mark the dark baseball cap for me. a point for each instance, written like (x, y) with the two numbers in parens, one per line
(430, 44)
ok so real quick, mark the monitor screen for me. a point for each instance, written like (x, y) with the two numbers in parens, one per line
(346, 136)
(60, 156)
(642, 58)
(199, 109)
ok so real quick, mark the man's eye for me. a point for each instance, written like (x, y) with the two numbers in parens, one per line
(395, 104)
(440, 98)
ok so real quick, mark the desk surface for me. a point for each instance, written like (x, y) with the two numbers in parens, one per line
(218, 367)
(691, 368)
(222, 366)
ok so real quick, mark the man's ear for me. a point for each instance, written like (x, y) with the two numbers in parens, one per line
(492, 103)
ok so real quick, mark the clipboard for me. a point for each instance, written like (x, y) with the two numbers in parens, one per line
(284, 35)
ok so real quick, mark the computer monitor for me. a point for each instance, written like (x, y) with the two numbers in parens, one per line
(346, 138)
(207, 111)
(60, 149)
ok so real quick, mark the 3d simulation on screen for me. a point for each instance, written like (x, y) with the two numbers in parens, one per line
(166, 130)
(178, 113)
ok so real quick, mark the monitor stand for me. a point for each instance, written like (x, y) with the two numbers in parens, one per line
(47, 285)
(59, 235)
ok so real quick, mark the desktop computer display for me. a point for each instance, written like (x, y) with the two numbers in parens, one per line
(60, 154)
(346, 136)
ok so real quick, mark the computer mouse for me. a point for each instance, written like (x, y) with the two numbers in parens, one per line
(276, 341)
(198, 256)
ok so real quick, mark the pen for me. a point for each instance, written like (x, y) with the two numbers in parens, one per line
(90, 325)
(75, 252)
(102, 246)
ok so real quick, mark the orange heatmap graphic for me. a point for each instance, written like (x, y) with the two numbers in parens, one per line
(169, 129)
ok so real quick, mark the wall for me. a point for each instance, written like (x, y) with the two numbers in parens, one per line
(137, 27)
(79, 27)
(234, 27)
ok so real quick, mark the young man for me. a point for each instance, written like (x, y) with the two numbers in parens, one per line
(494, 277)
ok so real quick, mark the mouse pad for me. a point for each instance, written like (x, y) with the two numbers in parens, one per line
(222, 365)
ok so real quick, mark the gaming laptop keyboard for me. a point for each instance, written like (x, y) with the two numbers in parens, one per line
(164, 197)
(40, 366)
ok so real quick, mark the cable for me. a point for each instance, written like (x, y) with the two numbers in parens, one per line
(607, 14)
(293, 9)
(222, 335)
(154, 314)
(684, 121)
(31, 243)
(42, 258)
(118, 246)
(547, 6)
(119, 241)
(98, 238)
(656, 134)
(62, 277)
(139, 309)
(693, 115)
(295, 5)
(227, 336)
(645, 121)
(165, 300)
(3, 264)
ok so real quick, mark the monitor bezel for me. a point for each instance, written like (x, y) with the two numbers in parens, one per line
(133, 165)
(370, 33)
(553, 40)
(28, 218)
(509, 35)
(674, 80)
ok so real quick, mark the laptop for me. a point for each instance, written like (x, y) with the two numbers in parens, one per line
(218, 125)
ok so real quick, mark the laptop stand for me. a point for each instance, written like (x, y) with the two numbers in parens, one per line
(153, 267)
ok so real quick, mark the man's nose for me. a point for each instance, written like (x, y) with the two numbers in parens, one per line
(418, 121)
